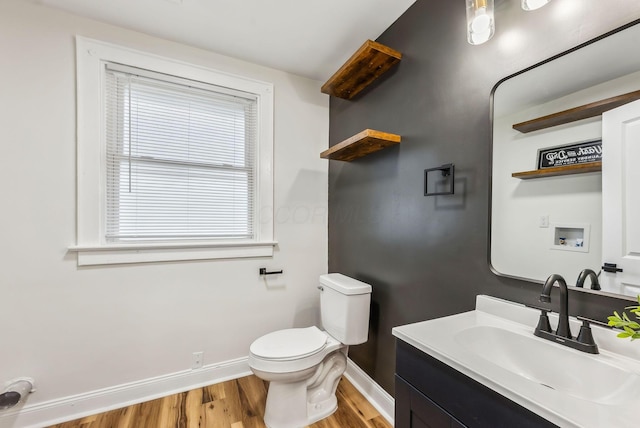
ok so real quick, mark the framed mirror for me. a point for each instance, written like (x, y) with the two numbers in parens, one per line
(564, 193)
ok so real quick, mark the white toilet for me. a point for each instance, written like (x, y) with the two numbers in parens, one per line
(304, 365)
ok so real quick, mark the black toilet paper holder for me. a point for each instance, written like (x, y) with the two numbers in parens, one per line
(263, 271)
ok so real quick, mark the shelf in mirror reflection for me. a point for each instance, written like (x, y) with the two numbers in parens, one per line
(580, 168)
(577, 113)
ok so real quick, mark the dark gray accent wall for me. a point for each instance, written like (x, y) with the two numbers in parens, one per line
(426, 257)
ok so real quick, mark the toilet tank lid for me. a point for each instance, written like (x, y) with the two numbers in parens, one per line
(343, 284)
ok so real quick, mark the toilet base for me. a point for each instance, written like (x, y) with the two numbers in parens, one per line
(286, 405)
(304, 402)
(318, 411)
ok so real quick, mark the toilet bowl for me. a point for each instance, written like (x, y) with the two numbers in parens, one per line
(304, 365)
(303, 380)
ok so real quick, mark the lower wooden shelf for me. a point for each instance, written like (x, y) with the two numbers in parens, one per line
(361, 144)
(559, 170)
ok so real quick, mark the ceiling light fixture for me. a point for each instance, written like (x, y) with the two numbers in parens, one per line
(480, 20)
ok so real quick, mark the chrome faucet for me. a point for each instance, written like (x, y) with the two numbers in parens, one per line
(584, 342)
(586, 273)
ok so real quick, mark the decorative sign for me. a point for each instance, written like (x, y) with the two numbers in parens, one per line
(572, 154)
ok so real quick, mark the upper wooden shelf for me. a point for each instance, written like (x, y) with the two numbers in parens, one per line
(361, 144)
(366, 65)
(577, 113)
(559, 170)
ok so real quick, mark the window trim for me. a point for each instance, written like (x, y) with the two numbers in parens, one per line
(92, 247)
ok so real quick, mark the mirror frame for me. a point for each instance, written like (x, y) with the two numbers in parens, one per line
(491, 118)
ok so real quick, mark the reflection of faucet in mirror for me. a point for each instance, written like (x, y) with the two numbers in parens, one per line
(563, 319)
(595, 284)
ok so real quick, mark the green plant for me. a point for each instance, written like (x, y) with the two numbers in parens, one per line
(631, 328)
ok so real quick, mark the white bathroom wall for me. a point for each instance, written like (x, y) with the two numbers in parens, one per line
(519, 246)
(77, 330)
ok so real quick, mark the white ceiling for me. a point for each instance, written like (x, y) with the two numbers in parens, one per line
(305, 37)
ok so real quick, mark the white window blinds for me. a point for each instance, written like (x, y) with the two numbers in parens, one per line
(180, 158)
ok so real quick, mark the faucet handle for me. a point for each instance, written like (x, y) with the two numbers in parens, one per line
(585, 337)
(543, 321)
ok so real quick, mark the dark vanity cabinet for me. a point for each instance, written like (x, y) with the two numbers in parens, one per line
(416, 410)
(430, 394)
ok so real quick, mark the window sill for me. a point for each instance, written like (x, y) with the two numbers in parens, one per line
(91, 255)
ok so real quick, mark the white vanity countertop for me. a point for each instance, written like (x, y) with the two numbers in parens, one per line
(438, 339)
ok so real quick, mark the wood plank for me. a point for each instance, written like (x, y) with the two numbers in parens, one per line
(233, 402)
(193, 408)
(253, 399)
(215, 415)
(123, 418)
(344, 417)
(356, 401)
(148, 414)
(379, 422)
(559, 170)
(367, 64)
(213, 392)
(181, 421)
(170, 412)
(361, 144)
(576, 113)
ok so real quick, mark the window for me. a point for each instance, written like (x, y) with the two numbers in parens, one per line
(174, 161)
(180, 159)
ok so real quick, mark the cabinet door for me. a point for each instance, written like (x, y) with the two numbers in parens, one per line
(414, 410)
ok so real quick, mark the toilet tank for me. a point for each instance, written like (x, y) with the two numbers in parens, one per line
(344, 308)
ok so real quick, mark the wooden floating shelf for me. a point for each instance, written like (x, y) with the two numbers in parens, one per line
(366, 65)
(361, 144)
(577, 113)
(580, 168)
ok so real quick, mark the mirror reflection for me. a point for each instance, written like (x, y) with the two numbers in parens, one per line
(565, 193)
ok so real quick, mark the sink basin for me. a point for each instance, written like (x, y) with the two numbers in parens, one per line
(584, 376)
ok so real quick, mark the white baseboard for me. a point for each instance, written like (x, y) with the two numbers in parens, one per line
(378, 397)
(81, 405)
(98, 401)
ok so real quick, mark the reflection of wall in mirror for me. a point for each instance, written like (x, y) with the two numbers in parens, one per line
(519, 246)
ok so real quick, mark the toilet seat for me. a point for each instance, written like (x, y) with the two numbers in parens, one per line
(291, 350)
(289, 344)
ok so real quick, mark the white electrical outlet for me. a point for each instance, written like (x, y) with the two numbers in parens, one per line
(197, 360)
(544, 221)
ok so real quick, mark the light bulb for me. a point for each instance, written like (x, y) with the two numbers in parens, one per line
(480, 23)
(533, 4)
(479, 38)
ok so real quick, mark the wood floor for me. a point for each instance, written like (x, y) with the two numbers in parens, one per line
(237, 403)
